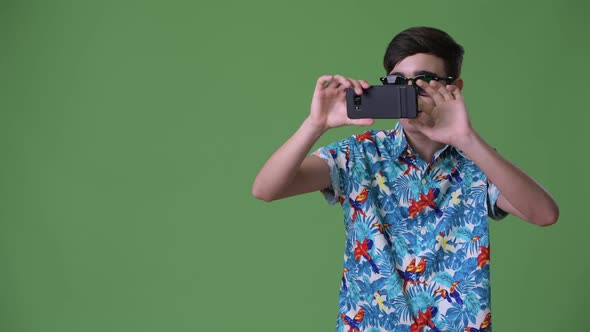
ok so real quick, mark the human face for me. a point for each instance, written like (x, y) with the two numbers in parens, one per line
(421, 64)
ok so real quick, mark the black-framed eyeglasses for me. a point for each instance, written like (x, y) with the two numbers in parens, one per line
(400, 80)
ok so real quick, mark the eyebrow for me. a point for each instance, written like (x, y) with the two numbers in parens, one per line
(416, 73)
(424, 72)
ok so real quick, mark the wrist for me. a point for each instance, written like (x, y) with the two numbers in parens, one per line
(314, 129)
(466, 141)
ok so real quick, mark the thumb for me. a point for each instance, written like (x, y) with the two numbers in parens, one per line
(362, 122)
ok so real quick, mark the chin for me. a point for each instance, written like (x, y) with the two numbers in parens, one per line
(407, 126)
(409, 129)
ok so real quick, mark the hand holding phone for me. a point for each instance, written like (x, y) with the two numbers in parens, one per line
(383, 102)
(328, 104)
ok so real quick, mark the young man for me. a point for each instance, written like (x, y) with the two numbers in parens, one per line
(416, 199)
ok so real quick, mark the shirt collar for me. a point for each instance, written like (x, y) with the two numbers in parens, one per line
(400, 143)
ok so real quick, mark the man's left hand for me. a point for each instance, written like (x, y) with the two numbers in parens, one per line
(446, 121)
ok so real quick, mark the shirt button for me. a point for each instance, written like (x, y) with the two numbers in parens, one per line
(423, 181)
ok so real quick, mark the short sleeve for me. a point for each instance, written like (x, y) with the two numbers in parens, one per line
(337, 156)
(494, 211)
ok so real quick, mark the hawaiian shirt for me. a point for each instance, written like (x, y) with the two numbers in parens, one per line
(417, 242)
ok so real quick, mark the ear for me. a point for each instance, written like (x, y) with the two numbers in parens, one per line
(458, 83)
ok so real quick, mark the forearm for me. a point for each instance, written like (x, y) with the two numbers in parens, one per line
(529, 198)
(282, 166)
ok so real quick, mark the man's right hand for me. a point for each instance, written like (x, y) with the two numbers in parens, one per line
(328, 106)
(288, 171)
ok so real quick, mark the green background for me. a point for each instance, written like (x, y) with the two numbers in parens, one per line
(131, 132)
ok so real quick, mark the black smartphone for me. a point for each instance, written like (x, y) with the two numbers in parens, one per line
(383, 102)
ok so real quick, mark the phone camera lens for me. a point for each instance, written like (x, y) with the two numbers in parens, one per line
(357, 100)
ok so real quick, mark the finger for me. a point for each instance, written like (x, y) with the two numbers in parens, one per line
(455, 91)
(330, 82)
(324, 81)
(442, 89)
(340, 84)
(364, 84)
(358, 89)
(438, 98)
(342, 81)
(438, 87)
(362, 122)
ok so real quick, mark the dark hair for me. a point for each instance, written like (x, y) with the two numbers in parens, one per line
(424, 40)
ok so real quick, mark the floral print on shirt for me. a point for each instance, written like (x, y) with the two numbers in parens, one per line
(417, 242)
